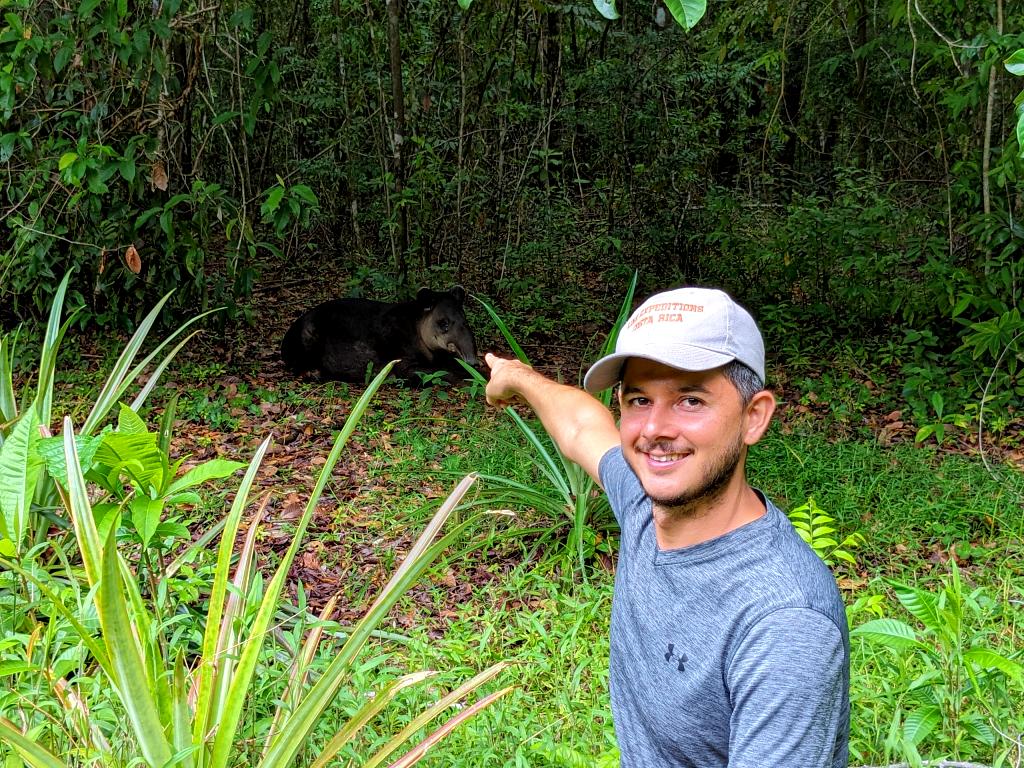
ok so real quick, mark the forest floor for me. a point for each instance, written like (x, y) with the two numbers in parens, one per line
(234, 392)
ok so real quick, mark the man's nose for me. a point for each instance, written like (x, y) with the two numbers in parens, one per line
(659, 423)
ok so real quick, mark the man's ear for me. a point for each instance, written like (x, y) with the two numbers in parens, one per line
(757, 416)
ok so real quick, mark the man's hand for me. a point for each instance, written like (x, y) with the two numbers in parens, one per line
(582, 428)
(501, 388)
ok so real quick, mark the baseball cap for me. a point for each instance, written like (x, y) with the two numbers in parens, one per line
(692, 329)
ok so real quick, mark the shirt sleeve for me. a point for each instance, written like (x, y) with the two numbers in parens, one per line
(786, 683)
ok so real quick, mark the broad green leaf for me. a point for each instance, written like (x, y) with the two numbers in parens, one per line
(51, 450)
(134, 455)
(1014, 63)
(606, 8)
(464, 4)
(273, 200)
(66, 160)
(891, 633)
(129, 422)
(920, 723)
(687, 12)
(989, 659)
(924, 606)
(215, 469)
(146, 516)
(979, 728)
(20, 469)
(1020, 134)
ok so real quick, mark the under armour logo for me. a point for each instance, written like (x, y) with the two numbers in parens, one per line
(682, 658)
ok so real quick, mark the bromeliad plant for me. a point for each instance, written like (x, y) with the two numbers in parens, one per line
(961, 692)
(188, 710)
(576, 495)
(25, 495)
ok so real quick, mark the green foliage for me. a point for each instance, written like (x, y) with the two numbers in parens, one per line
(1015, 66)
(576, 495)
(25, 497)
(167, 710)
(105, 128)
(958, 687)
(818, 530)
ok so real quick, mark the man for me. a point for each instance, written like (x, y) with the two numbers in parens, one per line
(729, 642)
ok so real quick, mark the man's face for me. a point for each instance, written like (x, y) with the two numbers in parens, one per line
(684, 433)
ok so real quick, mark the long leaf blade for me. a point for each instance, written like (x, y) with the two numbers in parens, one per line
(127, 659)
(33, 754)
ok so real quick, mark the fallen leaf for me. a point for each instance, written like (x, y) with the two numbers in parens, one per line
(132, 259)
(158, 176)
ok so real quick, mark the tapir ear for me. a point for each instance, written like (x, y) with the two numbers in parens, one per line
(425, 298)
(459, 293)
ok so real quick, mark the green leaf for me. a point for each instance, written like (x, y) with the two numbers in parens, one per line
(606, 8)
(146, 516)
(134, 455)
(30, 752)
(1020, 133)
(274, 198)
(890, 633)
(126, 167)
(988, 659)
(1014, 63)
(920, 723)
(687, 12)
(51, 450)
(305, 193)
(20, 468)
(923, 605)
(129, 422)
(7, 146)
(128, 660)
(924, 433)
(464, 4)
(86, 8)
(66, 160)
(211, 470)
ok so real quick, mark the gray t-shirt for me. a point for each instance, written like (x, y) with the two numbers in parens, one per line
(733, 652)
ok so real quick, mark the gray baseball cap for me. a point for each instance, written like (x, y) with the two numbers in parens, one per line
(692, 329)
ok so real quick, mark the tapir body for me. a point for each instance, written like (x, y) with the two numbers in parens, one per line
(351, 339)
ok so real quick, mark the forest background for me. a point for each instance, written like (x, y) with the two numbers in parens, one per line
(848, 170)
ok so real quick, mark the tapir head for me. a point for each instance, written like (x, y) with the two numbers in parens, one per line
(443, 326)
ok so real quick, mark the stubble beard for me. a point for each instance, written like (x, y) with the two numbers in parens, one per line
(696, 501)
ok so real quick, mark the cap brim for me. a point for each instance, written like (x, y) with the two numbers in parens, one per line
(607, 372)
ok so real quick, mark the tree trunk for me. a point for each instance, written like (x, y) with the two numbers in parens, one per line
(398, 141)
(986, 160)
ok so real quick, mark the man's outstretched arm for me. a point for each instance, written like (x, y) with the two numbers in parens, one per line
(581, 426)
